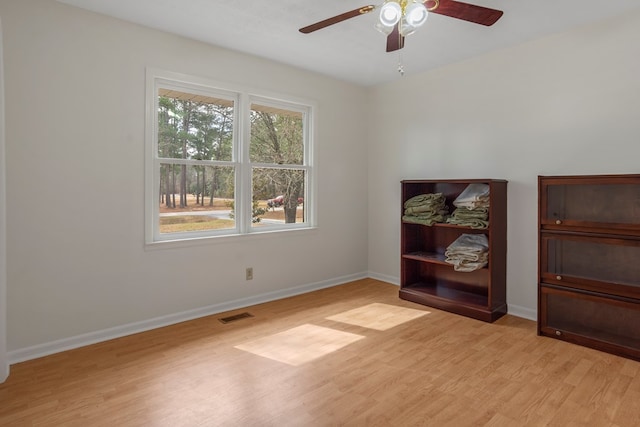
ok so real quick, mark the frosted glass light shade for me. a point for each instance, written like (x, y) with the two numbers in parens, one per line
(390, 13)
(416, 14)
(406, 29)
(384, 29)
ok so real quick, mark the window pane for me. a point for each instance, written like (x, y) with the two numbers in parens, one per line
(277, 136)
(193, 126)
(195, 198)
(279, 194)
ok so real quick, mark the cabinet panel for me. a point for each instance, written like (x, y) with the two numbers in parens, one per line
(591, 319)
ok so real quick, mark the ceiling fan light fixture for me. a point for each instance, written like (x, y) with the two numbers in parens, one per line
(416, 14)
(406, 29)
(384, 29)
(390, 13)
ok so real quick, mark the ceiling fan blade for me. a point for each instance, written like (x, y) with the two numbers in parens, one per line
(395, 40)
(465, 11)
(338, 18)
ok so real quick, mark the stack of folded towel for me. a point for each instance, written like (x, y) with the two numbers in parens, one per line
(472, 218)
(472, 207)
(468, 252)
(425, 209)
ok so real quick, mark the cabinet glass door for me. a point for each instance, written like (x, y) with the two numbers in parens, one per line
(608, 265)
(592, 203)
(603, 323)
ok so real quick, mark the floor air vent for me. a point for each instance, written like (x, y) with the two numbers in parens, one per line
(235, 317)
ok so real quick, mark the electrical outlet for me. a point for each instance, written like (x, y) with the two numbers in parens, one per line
(249, 273)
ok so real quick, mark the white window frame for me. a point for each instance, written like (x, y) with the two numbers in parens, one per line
(243, 99)
(305, 166)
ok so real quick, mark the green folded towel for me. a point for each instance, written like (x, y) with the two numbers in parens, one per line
(473, 218)
(469, 222)
(424, 220)
(429, 199)
(422, 210)
(476, 213)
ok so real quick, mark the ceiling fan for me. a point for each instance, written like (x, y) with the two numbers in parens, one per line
(399, 18)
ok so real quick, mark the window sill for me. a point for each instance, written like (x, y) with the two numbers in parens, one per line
(226, 239)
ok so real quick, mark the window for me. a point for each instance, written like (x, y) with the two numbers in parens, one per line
(223, 162)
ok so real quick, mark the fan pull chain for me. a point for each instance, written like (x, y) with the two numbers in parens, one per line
(400, 64)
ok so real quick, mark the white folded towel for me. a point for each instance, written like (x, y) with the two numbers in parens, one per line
(468, 252)
(474, 196)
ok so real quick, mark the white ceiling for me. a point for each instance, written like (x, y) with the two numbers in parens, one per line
(353, 50)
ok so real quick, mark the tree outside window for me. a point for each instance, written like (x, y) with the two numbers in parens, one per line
(277, 153)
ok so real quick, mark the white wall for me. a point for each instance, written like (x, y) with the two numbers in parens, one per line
(567, 104)
(77, 265)
(4, 360)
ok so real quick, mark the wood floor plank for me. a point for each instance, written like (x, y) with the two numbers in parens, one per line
(436, 369)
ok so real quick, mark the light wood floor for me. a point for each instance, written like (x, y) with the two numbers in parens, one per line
(435, 369)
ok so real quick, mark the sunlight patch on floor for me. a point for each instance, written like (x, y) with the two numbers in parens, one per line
(300, 345)
(378, 316)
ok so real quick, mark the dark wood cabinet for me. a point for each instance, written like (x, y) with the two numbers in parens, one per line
(589, 261)
(426, 277)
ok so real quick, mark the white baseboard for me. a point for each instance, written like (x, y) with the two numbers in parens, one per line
(384, 278)
(82, 340)
(525, 313)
